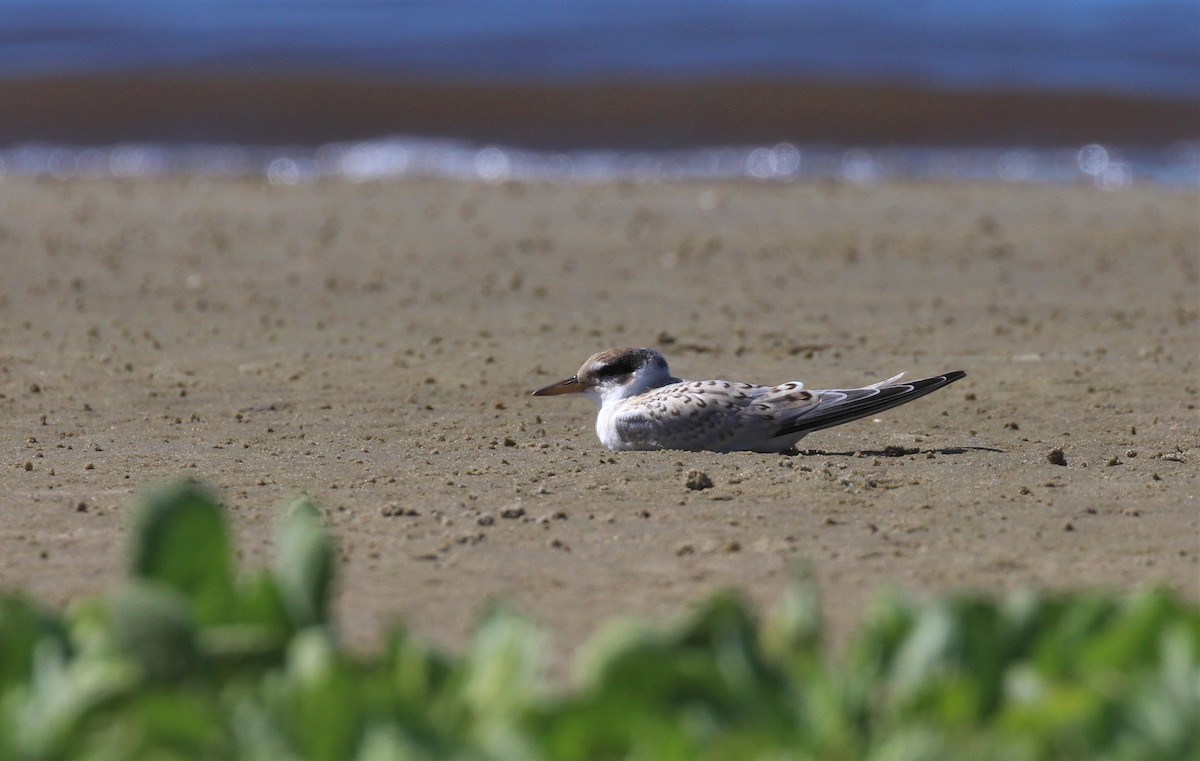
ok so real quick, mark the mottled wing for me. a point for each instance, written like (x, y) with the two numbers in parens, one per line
(712, 415)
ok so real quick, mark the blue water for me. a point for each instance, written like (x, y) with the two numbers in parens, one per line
(1107, 46)
(1145, 47)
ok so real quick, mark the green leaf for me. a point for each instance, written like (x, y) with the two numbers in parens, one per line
(502, 668)
(160, 723)
(1132, 637)
(260, 602)
(417, 674)
(23, 624)
(1164, 715)
(155, 629)
(702, 685)
(47, 718)
(304, 566)
(259, 633)
(1065, 625)
(323, 707)
(794, 630)
(384, 742)
(180, 540)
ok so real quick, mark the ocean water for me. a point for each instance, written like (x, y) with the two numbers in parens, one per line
(1127, 46)
(1111, 47)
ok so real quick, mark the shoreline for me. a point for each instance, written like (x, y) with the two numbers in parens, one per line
(289, 109)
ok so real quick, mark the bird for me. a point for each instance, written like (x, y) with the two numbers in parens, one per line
(642, 406)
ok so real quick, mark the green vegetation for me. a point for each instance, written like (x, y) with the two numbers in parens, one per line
(187, 660)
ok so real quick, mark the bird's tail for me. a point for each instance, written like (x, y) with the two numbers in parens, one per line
(843, 405)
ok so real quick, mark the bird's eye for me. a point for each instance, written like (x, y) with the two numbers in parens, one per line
(611, 372)
(621, 366)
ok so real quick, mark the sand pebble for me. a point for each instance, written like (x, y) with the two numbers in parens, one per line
(1056, 456)
(698, 480)
(393, 510)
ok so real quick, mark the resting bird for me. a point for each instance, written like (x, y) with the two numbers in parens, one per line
(643, 407)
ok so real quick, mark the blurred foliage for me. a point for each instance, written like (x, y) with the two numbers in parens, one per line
(187, 661)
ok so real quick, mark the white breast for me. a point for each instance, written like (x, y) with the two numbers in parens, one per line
(606, 427)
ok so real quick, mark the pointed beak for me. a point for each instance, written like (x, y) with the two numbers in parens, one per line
(569, 386)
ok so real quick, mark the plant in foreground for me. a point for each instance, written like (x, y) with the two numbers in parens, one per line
(187, 660)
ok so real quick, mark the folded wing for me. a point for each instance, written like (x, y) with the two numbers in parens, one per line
(723, 416)
(837, 406)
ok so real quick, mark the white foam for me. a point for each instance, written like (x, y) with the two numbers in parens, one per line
(1108, 167)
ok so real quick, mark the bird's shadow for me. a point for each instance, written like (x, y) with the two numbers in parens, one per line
(891, 451)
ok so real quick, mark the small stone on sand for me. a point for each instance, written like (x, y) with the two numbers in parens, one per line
(698, 480)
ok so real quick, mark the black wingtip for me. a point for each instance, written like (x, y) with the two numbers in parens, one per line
(886, 398)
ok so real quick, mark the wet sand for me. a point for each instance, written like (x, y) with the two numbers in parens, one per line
(374, 345)
(221, 107)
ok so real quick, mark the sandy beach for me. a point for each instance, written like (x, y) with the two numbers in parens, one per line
(374, 346)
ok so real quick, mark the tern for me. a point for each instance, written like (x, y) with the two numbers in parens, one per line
(642, 406)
